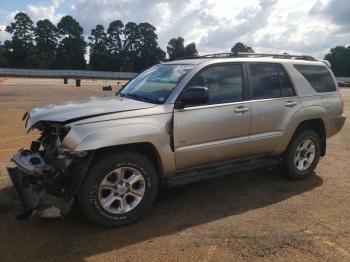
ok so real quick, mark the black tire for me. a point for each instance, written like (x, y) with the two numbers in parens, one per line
(88, 196)
(289, 164)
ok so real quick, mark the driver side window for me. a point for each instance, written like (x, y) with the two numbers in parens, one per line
(224, 83)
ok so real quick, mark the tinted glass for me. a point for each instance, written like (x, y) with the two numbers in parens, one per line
(286, 85)
(265, 81)
(224, 83)
(318, 77)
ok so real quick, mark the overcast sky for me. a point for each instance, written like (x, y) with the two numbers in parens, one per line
(294, 26)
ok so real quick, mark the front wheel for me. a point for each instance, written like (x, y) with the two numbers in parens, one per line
(119, 189)
(302, 155)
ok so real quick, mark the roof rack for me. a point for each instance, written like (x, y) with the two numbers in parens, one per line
(245, 54)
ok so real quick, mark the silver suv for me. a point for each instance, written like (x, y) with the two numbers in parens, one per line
(176, 123)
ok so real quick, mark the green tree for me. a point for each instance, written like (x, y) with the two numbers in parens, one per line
(46, 38)
(5, 54)
(140, 47)
(240, 47)
(99, 53)
(339, 57)
(115, 31)
(72, 47)
(176, 48)
(149, 51)
(191, 50)
(115, 44)
(22, 44)
(130, 46)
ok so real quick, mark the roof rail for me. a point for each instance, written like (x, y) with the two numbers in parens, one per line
(281, 56)
(249, 54)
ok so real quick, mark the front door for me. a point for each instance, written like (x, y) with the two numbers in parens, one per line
(219, 130)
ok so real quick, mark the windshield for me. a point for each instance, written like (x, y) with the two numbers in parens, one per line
(155, 84)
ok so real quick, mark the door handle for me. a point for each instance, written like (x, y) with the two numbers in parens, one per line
(241, 109)
(291, 103)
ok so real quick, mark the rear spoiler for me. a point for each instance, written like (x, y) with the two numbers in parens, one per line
(326, 62)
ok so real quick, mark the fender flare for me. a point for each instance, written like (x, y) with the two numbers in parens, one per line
(304, 114)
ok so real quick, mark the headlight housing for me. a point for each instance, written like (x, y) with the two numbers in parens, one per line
(63, 131)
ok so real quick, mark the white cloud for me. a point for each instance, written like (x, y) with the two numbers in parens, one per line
(249, 20)
(38, 12)
(3, 34)
(57, 3)
(336, 10)
(215, 25)
(296, 30)
(10, 17)
(297, 26)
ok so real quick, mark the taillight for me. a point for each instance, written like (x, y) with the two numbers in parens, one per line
(341, 104)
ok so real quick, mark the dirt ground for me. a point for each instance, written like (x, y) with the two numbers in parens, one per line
(249, 216)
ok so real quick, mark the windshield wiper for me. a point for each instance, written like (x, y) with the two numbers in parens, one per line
(139, 97)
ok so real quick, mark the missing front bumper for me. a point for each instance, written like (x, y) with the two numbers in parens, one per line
(36, 202)
(46, 190)
(31, 163)
(28, 200)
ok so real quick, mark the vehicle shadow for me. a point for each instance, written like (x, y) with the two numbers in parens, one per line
(75, 238)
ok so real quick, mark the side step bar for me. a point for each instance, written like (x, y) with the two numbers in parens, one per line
(207, 172)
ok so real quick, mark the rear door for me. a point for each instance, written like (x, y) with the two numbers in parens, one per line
(219, 130)
(274, 103)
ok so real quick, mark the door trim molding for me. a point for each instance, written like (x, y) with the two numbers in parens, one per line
(214, 143)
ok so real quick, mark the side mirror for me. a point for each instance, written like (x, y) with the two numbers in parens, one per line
(193, 96)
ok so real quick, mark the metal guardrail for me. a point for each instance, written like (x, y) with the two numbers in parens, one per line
(76, 74)
(345, 79)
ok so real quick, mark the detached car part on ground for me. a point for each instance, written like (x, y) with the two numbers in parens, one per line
(177, 123)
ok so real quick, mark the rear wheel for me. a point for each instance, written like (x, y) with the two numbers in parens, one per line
(119, 189)
(302, 155)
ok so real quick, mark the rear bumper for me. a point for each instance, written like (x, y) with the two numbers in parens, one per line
(334, 124)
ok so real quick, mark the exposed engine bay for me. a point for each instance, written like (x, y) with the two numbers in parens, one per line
(50, 173)
(43, 176)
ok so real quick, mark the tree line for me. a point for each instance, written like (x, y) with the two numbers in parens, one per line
(121, 47)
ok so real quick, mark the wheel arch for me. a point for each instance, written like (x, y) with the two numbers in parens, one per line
(147, 149)
(318, 126)
(80, 169)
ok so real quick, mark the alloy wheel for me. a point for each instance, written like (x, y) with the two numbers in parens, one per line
(121, 190)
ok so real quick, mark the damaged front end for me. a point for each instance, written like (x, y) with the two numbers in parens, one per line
(48, 175)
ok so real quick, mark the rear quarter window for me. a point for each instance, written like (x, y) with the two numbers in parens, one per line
(318, 77)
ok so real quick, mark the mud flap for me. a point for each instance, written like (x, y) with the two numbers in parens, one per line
(36, 204)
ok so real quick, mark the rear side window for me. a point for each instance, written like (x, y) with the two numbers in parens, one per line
(318, 77)
(270, 81)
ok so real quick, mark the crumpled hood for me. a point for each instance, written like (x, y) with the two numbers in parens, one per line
(71, 111)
